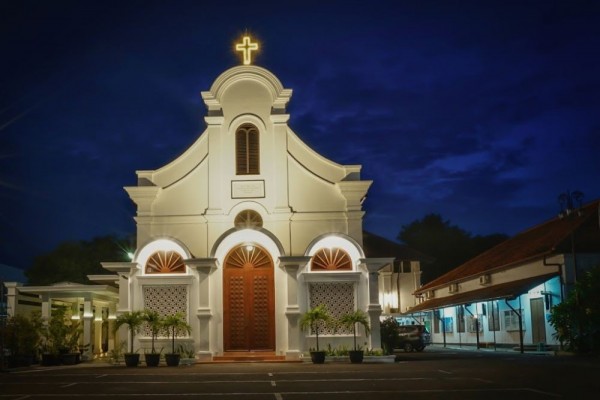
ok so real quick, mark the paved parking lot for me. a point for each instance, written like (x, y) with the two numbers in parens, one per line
(435, 373)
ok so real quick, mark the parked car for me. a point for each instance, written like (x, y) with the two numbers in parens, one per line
(413, 337)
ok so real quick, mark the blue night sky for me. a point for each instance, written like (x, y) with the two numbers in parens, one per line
(482, 111)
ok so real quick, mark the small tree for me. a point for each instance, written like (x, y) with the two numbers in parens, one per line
(134, 320)
(314, 318)
(577, 319)
(176, 324)
(155, 323)
(22, 335)
(357, 317)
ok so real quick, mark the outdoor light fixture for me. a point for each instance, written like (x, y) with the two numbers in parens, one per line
(249, 247)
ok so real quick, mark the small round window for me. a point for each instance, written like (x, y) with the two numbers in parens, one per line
(248, 219)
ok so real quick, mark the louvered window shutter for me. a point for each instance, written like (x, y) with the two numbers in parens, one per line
(247, 150)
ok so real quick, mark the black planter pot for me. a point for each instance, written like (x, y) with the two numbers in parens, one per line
(356, 356)
(172, 359)
(317, 357)
(152, 359)
(49, 359)
(132, 359)
(70, 358)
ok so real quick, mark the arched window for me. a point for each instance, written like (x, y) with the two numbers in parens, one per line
(165, 262)
(331, 259)
(247, 160)
(248, 219)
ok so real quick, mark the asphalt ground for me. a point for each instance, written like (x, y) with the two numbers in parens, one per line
(435, 373)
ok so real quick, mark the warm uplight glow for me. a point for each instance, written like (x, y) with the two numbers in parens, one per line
(246, 47)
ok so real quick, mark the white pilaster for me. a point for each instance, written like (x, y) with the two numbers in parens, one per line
(374, 265)
(291, 265)
(204, 267)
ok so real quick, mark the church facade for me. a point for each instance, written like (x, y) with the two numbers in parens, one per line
(242, 234)
(249, 228)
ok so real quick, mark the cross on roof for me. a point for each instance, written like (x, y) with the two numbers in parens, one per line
(246, 47)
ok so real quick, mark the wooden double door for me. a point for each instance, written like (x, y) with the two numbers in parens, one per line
(248, 300)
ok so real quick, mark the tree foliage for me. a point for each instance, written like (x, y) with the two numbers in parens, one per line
(449, 244)
(73, 261)
(577, 319)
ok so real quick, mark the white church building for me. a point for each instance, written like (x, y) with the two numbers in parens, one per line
(244, 232)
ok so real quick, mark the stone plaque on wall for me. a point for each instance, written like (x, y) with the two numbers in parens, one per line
(247, 189)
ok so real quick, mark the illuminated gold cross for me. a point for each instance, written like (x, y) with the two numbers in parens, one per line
(246, 47)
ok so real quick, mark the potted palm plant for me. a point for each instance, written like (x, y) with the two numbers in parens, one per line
(175, 324)
(155, 323)
(133, 320)
(313, 320)
(350, 320)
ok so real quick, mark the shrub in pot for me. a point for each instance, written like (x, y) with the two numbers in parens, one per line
(313, 320)
(350, 320)
(175, 324)
(133, 320)
(155, 323)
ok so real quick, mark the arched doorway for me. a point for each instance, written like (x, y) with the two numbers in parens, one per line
(248, 300)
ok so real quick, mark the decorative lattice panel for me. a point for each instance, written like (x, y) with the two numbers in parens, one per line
(166, 300)
(339, 300)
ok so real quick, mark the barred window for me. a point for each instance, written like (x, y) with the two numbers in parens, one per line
(493, 316)
(460, 319)
(247, 150)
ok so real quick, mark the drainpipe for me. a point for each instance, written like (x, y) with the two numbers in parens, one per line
(520, 324)
(476, 323)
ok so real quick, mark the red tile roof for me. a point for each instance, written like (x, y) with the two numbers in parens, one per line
(534, 243)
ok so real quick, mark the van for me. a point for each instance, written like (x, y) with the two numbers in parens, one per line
(413, 337)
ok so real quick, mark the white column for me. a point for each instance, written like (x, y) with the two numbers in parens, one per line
(98, 330)
(88, 318)
(112, 315)
(204, 267)
(374, 265)
(46, 307)
(291, 265)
